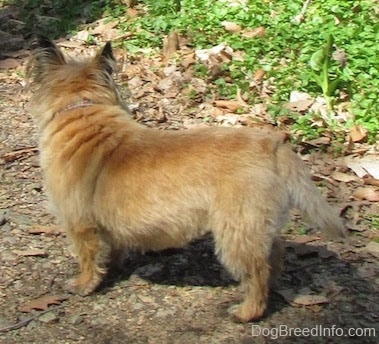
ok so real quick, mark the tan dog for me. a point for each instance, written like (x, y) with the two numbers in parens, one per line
(115, 184)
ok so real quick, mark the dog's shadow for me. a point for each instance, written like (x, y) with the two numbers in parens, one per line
(197, 265)
(309, 268)
(194, 265)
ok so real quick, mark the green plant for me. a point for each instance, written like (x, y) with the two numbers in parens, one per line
(201, 70)
(321, 63)
(225, 89)
(304, 126)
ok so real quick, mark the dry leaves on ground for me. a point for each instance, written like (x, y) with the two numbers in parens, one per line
(296, 299)
(42, 303)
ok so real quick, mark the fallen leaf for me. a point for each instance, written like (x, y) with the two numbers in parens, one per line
(310, 300)
(299, 105)
(17, 154)
(31, 253)
(114, 35)
(357, 167)
(358, 133)
(259, 75)
(371, 181)
(256, 32)
(45, 230)
(300, 299)
(132, 12)
(297, 95)
(219, 53)
(320, 108)
(231, 27)
(188, 60)
(42, 303)
(287, 294)
(82, 35)
(240, 98)
(363, 166)
(170, 45)
(299, 101)
(103, 27)
(231, 105)
(367, 193)
(9, 63)
(320, 141)
(343, 177)
(357, 228)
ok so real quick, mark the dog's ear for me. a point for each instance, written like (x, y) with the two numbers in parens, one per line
(49, 52)
(46, 55)
(106, 59)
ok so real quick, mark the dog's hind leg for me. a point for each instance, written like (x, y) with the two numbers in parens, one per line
(93, 254)
(245, 249)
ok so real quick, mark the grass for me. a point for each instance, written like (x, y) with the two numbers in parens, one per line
(296, 55)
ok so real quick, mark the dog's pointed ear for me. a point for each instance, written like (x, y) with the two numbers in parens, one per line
(50, 53)
(106, 59)
(46, 55)
(44, 42)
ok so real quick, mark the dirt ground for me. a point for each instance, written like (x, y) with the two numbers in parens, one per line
(182, 295)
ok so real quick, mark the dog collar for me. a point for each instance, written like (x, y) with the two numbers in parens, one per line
(79, 104)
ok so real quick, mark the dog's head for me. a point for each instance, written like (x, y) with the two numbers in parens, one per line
(58, 81)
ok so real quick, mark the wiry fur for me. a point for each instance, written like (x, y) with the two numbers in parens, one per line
(115, 184)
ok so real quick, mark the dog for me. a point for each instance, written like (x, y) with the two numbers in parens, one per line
(116, 185)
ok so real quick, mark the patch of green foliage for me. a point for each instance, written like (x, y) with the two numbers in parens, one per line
(295, 55)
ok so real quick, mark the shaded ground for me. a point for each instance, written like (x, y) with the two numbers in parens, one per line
(174, 296)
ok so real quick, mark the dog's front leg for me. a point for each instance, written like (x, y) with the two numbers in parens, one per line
(93, 254)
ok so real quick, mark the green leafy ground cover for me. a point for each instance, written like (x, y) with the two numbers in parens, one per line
(293, 49)
(287, 50)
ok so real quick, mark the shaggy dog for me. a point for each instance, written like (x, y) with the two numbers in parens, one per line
(115, 184)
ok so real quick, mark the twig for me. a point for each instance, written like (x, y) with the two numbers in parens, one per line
(17, 154)
(26, 321)
(300, 17)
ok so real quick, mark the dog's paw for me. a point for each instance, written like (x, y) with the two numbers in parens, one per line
(244, 313)
(76, 286)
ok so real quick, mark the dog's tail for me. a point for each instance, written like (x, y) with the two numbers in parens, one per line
(306, 197)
